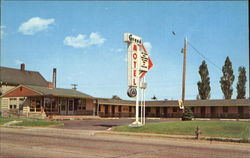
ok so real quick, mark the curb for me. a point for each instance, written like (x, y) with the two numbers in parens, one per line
(222, 139)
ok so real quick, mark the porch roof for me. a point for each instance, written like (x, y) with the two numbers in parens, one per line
(59, 92)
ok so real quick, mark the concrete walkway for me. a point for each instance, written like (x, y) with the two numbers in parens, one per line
(8, 124)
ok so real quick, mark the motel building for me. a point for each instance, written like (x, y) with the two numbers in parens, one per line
(27, 94)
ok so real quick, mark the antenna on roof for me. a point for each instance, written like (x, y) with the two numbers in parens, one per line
(74, 86)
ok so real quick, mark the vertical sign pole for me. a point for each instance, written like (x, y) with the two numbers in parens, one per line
(141, 99)
(137, 103)
(144, 102)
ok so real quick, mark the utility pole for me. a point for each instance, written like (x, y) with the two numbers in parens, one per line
(184, 51)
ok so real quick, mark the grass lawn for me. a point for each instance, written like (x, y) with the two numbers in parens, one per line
(30, 122)
(231, 129)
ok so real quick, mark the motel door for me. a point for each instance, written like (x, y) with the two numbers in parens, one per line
(71, 107)
(63, 107)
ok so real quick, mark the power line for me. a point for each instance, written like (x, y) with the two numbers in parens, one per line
(203, 56)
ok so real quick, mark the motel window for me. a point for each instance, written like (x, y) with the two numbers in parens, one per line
(130, 108)
(21, 99)
(13, 99)
(192, 109)
(63, 104)
(10, 106)
(53, 103)
(84, 104)
(81, 103)
(125, 108)
(84, 107)
(148, 109)
(225, 109)
(47, 103)
(63, 107)
(38, 105)
(76, 104)
(240, 109)
(175, 109)
(71, 105)
(213, 110)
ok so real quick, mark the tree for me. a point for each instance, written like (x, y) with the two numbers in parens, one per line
(241, 85)
(116, 97)
(154, 97)
(227, 79)
(188, 114)
(204, 85)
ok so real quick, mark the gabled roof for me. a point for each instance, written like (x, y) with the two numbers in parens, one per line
(16, 77)
(59, 92)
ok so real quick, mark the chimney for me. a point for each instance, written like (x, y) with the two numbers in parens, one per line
(54, 78)
(22, 67)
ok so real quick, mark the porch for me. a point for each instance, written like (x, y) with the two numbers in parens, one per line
(51, 105)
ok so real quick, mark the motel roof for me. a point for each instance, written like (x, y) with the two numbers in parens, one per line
(174, 103)
(58, 92)
(12, 76)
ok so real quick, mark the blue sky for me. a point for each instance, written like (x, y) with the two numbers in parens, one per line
(84, 41)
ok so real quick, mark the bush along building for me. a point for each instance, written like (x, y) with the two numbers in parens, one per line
(27, 94)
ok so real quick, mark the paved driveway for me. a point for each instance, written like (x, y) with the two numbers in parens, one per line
(100, 124)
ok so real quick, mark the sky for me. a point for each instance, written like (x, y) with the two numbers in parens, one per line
(84, 41)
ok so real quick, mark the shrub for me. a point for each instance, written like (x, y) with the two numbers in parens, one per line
(188, 114)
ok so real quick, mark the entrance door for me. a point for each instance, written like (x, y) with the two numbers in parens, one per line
(106, 110)
(165, 111)
(113, 110)
(63, 107)
(71, 107)
(203, 111)
(158, 113)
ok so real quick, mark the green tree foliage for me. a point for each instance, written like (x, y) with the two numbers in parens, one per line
(241, 85)
(204, 85)
(227, 79)
(188, 114)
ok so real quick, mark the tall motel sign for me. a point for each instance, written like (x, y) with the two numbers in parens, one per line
(138, 65)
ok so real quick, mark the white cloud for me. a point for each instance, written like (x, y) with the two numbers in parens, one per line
(34, 25)
(1, 31)
(148, 46)
(80, 41)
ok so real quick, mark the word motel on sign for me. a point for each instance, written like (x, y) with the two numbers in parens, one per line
(135, 57)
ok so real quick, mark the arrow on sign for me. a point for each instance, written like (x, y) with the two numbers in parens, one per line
(150, 63)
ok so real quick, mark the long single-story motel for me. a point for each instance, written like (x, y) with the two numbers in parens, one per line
(28, 94)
